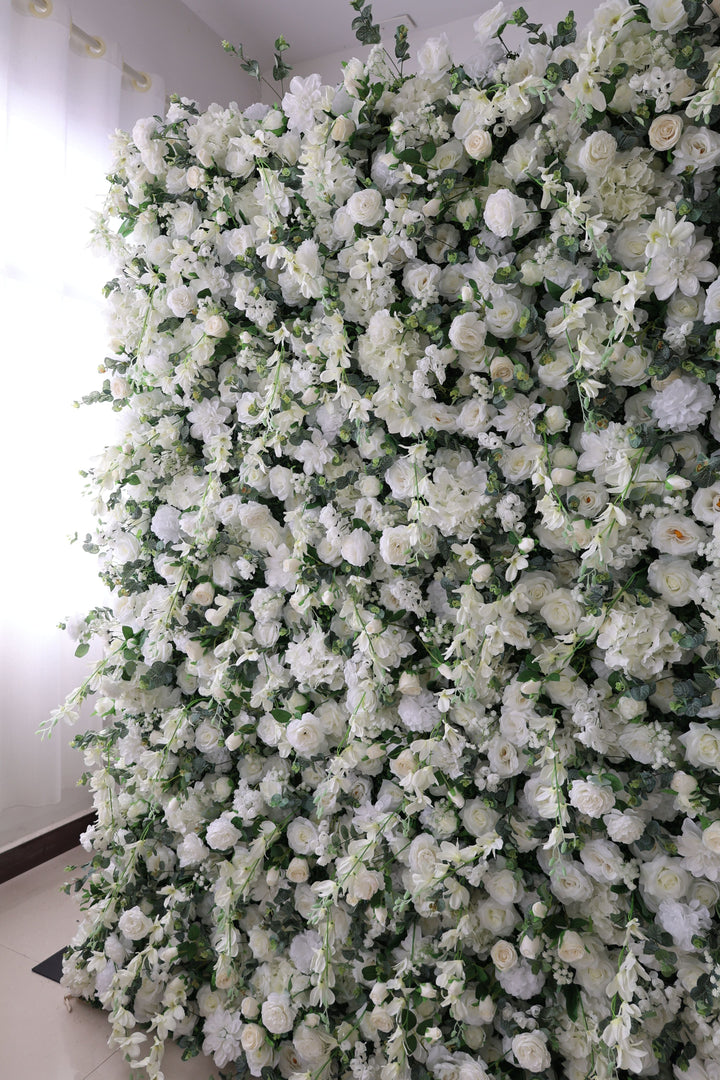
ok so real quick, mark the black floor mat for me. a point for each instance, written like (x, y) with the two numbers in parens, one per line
(52, 967)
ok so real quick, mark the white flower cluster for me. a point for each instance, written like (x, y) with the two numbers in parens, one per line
(411, 688)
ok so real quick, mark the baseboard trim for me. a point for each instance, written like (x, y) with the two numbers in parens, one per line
(38, 849)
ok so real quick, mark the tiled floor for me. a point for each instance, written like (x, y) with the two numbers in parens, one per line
(39, 1038)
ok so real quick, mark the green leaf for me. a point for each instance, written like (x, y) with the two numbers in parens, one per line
(428, 151)
(253, 68)
(281, 44)
(82, 650)
(280, 69)
(572, 999)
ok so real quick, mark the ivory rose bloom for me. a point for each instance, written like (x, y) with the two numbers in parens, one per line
(365, 207)
(504, 212)
(478, 144)
(665, 131)
(530, 1051)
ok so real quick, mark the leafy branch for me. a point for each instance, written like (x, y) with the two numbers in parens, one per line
(280, 70)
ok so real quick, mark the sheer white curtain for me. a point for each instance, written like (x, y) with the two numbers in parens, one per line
(61, 96)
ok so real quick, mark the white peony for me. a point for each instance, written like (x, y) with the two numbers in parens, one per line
(278, 1013)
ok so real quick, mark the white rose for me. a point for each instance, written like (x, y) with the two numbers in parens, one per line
(306, 736)
(252, 1038)
(126, 548)
(674, 579)
(478, 144)
(221, 834)
(434, 56)
(467, 332)
(711, 837)
(682, 405)
(474, 416)
(711, 311)
(502, 886)
(181, 300)
(297, 871)
(666, 14)
(421, 280)
(663, 878)
(423, 856)
(571, 884)
(503, 955)
(278, 1013)
(597, 153)
(203, 594)
(502, 318)
(665, 131)
(702, 746)
(135, 924)
(571, 948)
(561, 611)
(215, 326)
(478, 818)
(602, 860)
(342, 129)
(520, 462)
(631, 368)
(699, 148)
(357, 547)
(530, 1051)
(365, 207)
(503, 212)
(591, 798)
(624, 827)
(302, 836)
(676, 534)
(395, 545)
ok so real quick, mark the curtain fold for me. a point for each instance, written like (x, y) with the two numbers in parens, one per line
(59, 104)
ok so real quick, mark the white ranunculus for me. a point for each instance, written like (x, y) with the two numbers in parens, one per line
(504, 211)
(674, 579)
(365, 207)
(135, 924)
(683, 404)
(530, 1051)
(702, 746)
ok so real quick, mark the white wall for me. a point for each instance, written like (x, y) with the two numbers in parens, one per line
(459, 32)
(165, 37)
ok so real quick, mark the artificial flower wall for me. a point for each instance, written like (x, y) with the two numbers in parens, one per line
(411, 751)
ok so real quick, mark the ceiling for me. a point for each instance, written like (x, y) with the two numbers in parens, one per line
(314, 27)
